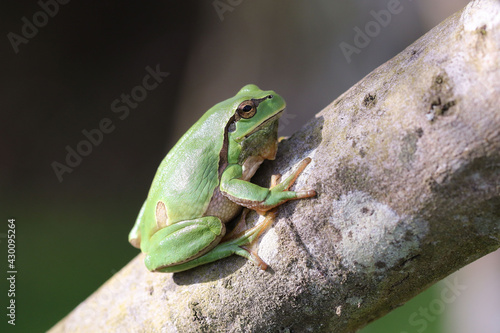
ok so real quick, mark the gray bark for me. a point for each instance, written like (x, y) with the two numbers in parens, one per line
(407, 168)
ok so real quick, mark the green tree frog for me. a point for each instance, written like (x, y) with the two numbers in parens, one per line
(204, 181)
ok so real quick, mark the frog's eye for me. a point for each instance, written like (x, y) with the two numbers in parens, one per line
(247, 109)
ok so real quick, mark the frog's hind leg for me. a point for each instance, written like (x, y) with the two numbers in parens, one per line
(183, 242)
(234, 246)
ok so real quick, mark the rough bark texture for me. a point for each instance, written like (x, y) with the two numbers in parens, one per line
(407, 169)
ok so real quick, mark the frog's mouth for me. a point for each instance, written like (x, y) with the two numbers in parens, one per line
(264, 123)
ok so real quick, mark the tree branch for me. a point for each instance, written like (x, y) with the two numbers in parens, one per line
(407, 169)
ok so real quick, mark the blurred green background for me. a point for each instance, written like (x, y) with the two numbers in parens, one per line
(63, 79)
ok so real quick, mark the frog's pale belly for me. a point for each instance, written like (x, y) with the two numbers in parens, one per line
(223, 208)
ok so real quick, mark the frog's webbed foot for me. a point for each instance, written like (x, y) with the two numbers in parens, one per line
(254, 257)
(281, 189)
(253, 234)
(246, 240)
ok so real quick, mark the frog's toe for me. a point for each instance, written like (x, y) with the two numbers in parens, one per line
(275, 180)
(305, 194)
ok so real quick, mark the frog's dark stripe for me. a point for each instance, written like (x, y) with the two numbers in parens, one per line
(225, 147)
(235, 117)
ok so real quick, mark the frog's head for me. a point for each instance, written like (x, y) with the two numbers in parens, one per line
(256, 110)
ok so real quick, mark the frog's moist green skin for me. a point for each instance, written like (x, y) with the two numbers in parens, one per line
(204, 181)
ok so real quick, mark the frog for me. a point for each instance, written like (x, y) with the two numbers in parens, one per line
(204, 182)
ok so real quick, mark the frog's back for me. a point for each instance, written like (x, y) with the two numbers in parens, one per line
(188, 175)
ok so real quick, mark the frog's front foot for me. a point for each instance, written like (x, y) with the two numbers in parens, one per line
(279, 191)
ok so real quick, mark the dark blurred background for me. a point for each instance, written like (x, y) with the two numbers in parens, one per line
(66, 68)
